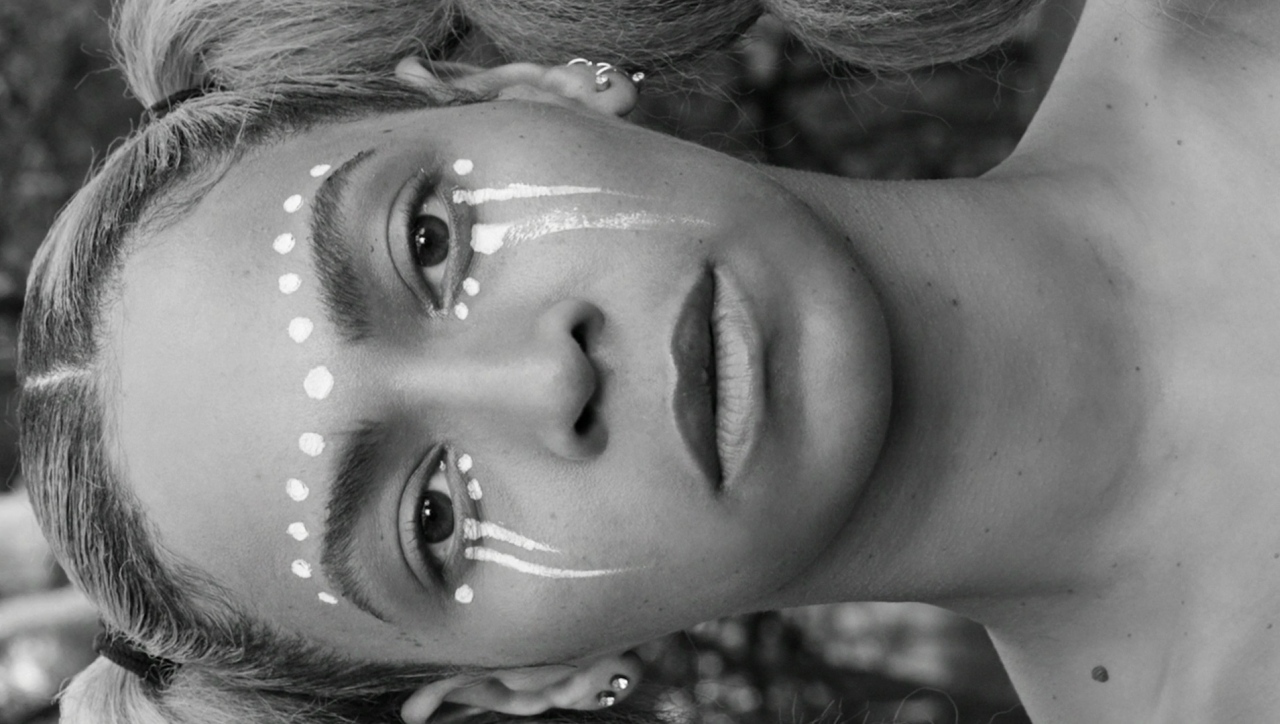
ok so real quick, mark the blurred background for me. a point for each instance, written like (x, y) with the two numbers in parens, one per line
(61, 107)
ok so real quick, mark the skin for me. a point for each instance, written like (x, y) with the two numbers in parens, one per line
(201, 340)
(1078, 451)
(1080, 463)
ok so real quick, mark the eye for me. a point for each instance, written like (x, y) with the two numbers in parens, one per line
(429, 517)
(431, 241)
(435, 518)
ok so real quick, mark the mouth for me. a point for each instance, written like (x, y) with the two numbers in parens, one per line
(719, 390)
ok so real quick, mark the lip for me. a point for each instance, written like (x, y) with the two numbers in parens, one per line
(719, 378)
(740, 378)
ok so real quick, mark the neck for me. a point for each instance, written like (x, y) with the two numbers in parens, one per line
(1072, 389)
(1013, 382)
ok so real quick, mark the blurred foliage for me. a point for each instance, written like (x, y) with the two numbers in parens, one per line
(61, 107)
(775, 102)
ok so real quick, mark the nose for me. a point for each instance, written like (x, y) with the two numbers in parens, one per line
(528, 377)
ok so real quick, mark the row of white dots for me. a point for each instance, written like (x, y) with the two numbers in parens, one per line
(473, 485)
(462, 167)
(317, 384)
(464, 594)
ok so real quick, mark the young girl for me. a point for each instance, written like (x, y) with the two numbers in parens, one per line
(346, 397)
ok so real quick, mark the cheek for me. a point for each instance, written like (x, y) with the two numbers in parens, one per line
(541, 621)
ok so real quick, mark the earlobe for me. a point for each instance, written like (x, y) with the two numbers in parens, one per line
(570, 85)
(594, 683)
(598, 86)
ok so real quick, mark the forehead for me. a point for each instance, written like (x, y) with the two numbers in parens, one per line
(227, 390)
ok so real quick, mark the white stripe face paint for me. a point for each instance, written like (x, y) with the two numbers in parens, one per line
(489, 238)
(519, 191)
(319, 383)
(473, 529)
(489, 555)
(328, 598)
(318, 171)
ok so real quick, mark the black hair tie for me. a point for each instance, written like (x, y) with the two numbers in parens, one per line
(124, 653)
(166, 105)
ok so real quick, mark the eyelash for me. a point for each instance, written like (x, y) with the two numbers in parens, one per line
(458, 253)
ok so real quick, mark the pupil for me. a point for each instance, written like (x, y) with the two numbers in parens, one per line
(430, 240)
(436, 517)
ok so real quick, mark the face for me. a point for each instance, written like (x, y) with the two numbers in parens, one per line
(496, 385)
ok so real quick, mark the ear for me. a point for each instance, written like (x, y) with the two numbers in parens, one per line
(568, 85)
(594, 683)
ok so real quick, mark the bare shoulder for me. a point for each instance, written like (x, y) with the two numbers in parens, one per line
(1234, 44)
(1254, 23)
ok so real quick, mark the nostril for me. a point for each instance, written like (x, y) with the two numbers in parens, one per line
(589, 436)
(579, 333)
(574, 390)
(586, 421)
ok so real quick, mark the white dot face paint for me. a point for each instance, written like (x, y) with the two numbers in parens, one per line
(284, 243)
(489, 238)
(470, 286)
(463, 166)
(518, 191)
(464, 463)
(311, 443)
(301, 569)
(489, 555)
(290, 283)
(464, 594)
(298, 531)
(297, 490)
(473, 490)
(319, 383)
(293, 203)
(318, 171)
(300, 329)
(460, 310)
(328, 598)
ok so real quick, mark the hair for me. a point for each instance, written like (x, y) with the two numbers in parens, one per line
(280, 68)
(166, 46)
(232, 668)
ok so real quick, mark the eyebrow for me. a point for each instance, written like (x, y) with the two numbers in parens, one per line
(343, 289)
(355, 485)
(344, 292)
